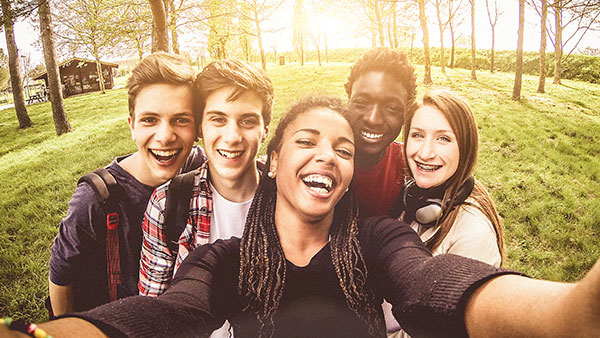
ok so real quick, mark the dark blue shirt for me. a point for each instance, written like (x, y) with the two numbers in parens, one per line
(78, 256)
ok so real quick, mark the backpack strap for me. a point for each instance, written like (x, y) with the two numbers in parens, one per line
(108, 189)
(177, 207)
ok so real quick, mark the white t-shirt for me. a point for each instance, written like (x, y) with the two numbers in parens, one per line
(227, 220)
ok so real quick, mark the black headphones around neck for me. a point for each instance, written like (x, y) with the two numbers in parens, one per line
(425, 205)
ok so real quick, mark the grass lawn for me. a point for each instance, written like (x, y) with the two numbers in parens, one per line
(539, 158)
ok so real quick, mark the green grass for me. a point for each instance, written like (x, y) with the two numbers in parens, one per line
(539, 159)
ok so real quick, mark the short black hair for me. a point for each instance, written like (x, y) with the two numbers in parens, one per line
(390, 61)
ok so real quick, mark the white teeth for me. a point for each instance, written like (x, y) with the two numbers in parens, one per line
(165, 153)
(371, 135)
(428, 167)
(319, 190)
(230, 154)
(327, 181)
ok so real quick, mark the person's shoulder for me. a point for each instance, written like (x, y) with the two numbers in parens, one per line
(222, 252)
(195, 159)
(471, 219)
(384, 227)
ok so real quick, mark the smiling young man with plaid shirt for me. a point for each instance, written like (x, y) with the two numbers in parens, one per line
(236, 100)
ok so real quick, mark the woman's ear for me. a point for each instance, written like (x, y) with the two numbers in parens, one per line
(273, 166)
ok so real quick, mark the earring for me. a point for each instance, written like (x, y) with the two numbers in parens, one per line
(271, 174)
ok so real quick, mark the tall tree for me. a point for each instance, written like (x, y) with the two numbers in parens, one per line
(376, 13)
(160, 35)
(575, 16)
(542, 80)
(454, 11)
(442, 6)
(519, 62)
(299, 29)
(61, 123)
(493, 15)
(13, 66)
(259, 11)
(220, 27)
(92, 26)
(473, 50)
(137, 27)
(423, 19)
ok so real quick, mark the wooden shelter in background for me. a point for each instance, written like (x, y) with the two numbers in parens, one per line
(79, 75)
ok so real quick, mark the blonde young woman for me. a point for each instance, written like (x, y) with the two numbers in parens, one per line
(450, 210)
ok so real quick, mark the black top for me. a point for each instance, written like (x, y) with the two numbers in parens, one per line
(78, 256)
(428, 293)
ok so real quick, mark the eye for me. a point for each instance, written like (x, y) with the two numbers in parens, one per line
(394, 109)
(344, 153)
(148, 119)
(249, 122)
(305, 142)
(359, 103)
(444, 138)
(416, 134)
(218, 120)
(183, 120)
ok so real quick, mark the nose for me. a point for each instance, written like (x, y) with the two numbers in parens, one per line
(231, 133)
(373, 115)
(427, 150)
(165, 133)
(325, 154)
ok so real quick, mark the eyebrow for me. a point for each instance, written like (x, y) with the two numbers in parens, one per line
(437, 130)
(316, 132)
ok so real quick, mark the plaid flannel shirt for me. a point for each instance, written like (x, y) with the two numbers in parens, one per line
(157, 262)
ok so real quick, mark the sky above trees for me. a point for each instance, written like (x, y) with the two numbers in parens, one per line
(343, 33)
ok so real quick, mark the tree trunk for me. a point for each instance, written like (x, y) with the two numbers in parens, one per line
(441, 28)
(473, 50)
(13, 67)
(519, 63)
(160, 38)
(492, 51)
(558, 50)
(99, 71)
(542, 81)
(452, 49)
(423, 19)
(395, 27)
(263, 62)
(61, 122)
(326, 49)
(173, 27)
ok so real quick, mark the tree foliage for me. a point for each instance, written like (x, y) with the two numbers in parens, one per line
(92, 27)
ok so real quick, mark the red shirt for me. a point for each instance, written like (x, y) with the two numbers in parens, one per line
(378, 187)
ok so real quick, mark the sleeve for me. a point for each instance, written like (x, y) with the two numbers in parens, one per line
(156, 260)
(421, 286)
(197, 303)
(78, 237)
(473, 236)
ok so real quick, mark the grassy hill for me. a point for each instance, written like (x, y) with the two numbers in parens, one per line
(539, 158)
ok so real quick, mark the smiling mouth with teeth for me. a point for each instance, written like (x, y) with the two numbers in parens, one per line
(371, 136)
(318, 183)
(427, 167)
(230, 154)
(164, 155)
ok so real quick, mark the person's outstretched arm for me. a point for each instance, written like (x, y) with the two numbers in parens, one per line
(524, 307)
(62, 328)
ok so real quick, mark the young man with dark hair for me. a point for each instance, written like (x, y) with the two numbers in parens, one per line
(381, 88)
(163, 120)
(236, 100)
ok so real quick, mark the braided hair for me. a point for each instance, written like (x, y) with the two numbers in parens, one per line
(262, 260)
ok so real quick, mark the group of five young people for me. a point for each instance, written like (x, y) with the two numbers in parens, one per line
(317, 164)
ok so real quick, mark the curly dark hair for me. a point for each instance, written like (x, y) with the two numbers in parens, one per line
(389, 61)
(262, 260)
